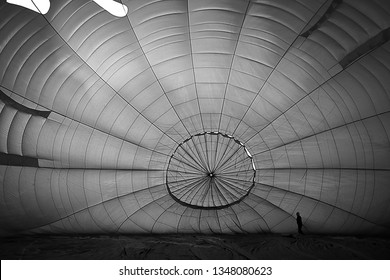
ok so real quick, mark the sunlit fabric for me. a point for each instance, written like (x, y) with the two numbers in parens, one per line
(43, 6)
(195, 116)
(39, 6)
(113, 7)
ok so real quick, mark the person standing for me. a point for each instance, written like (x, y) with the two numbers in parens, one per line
(299, 222)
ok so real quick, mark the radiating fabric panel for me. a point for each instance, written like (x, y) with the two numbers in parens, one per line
(55, 195)
(189, 116)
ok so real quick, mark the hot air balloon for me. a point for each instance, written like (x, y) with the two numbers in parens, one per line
(189, 116)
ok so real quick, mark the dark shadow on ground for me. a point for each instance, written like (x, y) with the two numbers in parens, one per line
(208, 247)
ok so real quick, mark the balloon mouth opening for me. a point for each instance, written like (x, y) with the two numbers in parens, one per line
(210, 170)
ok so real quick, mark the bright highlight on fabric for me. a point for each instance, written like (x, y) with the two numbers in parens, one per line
(39, 6)
(114, 8)
(43, 6)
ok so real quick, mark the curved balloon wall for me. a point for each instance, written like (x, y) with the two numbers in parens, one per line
(193, 116)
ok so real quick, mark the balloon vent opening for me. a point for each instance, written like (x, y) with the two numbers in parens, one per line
(210, 170)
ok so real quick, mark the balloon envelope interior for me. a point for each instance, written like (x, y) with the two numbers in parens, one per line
(188, 116)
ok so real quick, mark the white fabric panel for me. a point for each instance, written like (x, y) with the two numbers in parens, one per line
(71, 191)
(12, 204)
(81, 146)
(7, 115)
(30, 136)
(16, 132)
(20, 32)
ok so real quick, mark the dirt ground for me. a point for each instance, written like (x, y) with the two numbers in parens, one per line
(185, 247)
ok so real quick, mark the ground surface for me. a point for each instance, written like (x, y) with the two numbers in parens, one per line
(195, 247)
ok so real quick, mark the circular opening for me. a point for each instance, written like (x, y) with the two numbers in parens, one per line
(210, 170)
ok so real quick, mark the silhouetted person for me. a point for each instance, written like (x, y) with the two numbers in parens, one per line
(299, 222)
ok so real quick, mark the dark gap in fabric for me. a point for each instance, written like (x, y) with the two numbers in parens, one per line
(367, 47)
(10, 102)
(16, 160)
(326, 15)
